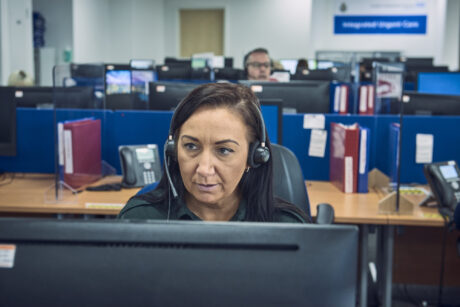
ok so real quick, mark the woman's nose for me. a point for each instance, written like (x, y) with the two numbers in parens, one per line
(206, 164)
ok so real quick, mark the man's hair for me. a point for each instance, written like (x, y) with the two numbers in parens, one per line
(257, 50)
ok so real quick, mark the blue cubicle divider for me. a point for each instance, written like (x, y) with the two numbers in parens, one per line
(137, 127)
(443, 129)
(35, 140)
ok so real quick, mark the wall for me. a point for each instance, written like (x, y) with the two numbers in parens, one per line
(90, 30)
(58, 33)
(16, 33)
(451, 50)
(118, 30)
(283, 27)
(429, 45)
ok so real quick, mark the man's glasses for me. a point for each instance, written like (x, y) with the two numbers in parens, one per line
(259, 65)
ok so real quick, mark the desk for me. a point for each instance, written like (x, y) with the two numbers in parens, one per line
(26, 195)
(363, 209)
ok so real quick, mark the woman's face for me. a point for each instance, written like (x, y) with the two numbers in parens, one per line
(212, 155)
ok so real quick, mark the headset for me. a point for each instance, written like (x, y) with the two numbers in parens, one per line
(258, 152)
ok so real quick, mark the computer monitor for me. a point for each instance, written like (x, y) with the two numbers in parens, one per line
(44, 97)
(289, 64)
(416, 103)
(412, 62)
(167, 95)
(444, 83)
(175, 71)
(160, 263)
(7, 122)
(117, 79)
(297, 96)
(317, 74)
(228, 73)
(140, 80)
(412, 72)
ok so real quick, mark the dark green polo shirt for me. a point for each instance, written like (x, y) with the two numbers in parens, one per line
(137, 208)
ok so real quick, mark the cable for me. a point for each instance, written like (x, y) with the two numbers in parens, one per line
(9, 182)
(443, 254)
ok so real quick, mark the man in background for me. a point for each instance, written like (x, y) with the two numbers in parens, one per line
(257, 65)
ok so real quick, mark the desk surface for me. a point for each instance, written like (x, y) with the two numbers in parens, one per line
(25, 194)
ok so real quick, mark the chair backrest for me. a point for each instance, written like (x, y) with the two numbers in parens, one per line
(288, 180)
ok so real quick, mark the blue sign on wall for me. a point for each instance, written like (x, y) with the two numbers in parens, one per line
(380, 24)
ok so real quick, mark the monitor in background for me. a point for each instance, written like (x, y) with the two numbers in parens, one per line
(297, 96)
(416, 103)
(161, 263)
(317, 74)
(272, 112)
(167, 95)
(289, 64)
(140, 80)
(117, 79)
(228, 73)
(444, 83)
(174, 71)
(7, 122)
(411, 73)
(44, 97)
(228, 62)
(413, 62)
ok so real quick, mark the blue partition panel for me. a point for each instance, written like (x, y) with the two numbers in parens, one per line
(35, 143)
(446, 143)
(296, 138)
(137, 127)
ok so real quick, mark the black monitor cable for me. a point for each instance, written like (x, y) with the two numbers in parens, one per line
(447, 225)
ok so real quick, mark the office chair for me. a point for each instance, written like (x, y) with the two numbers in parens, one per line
(288, 184)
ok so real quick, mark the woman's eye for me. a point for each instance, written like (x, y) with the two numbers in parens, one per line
(190, 146)
(225, 151)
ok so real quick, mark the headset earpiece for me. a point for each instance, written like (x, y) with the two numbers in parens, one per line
(257, 154)
(170, 147)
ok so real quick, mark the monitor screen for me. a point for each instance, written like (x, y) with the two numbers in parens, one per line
(299, 96)
(416, 103)
(118, 82)
(175, 71)
(7, 122)
(161, 263)
(444, 83)
(289, 64)
(76, 97)
(167, 95)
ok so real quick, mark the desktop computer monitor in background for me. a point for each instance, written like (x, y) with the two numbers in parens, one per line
(167, 95)
(175, 71)
(444, 83)
(289, 64)
(7, 122)
(297, 96)
(416, 103)
(172, 263)
(140, 80)
(117, 79)
(46, 97)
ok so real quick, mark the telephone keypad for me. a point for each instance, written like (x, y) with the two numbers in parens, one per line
(149, 177)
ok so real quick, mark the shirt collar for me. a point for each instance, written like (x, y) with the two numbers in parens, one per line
(184, 213)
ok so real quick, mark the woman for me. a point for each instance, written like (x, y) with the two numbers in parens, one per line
(217, 167)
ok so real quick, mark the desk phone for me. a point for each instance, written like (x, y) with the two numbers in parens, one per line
(140, 164)
(444, 181)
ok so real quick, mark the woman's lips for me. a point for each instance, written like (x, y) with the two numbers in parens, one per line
(206, 187)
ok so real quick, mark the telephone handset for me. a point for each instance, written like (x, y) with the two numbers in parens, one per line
(444, 181)
(140, 164)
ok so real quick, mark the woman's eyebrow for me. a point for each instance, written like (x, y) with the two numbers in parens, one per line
(226, 141)
(189, 137)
